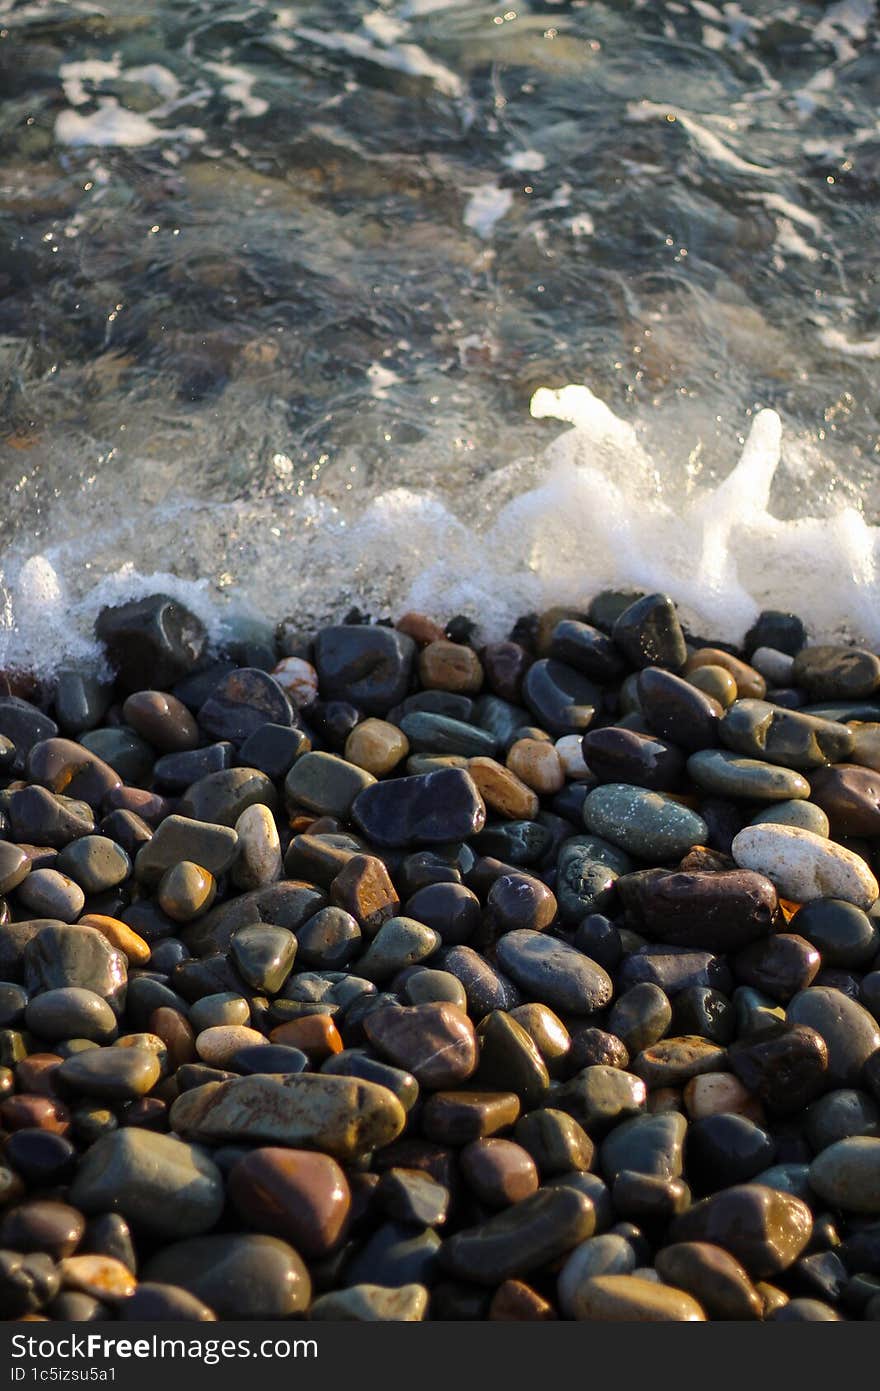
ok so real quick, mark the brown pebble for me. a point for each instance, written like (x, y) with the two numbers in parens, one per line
(450, 666)
(302, 1197)
(499, 1172)
(749, 682)
(516, 1302)
(538, 765)
(719, 1093)
(505, 664)
(147, 1113)
(435, 1042)
(149, 806)
(35, 1073)
(176, 1033)
(31, 1111)
(456, 1118)
(162, 720)
(419, 627)
(363, 888)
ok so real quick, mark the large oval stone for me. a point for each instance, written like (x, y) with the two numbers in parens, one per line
(238, 1276)
(158, 1183)
(435, 1042)
(847, 1174)
(522, 1238)
(647, 824)
(850, 1032)
(342, 1116)
(804, 866)
(720, 911)
(633, 1299)
(554, 973)
(765, 1229)
(427, 809)
(762, 730)
(727, 774)
(827, 672)
(295, 1194)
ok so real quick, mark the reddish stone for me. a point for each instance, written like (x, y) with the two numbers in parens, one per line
(302, 1197)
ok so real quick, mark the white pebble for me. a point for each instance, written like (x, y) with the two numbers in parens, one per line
(217, 1045)
(804, 866)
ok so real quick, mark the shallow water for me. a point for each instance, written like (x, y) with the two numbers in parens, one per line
(279, 282)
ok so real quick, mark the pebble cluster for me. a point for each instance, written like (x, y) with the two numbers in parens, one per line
(378, 975)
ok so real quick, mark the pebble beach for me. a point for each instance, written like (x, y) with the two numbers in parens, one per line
(381, 974)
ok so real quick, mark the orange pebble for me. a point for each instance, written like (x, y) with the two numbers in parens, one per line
(119, 935)
(315, 1034)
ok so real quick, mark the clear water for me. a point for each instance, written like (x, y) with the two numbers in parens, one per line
(278, 283)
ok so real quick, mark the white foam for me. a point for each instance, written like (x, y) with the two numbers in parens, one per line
(487, 204)
(237, 86)
(113, 126)
(407, 58)
(593, 510)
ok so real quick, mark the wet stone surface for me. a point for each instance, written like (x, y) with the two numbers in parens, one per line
(523, 982)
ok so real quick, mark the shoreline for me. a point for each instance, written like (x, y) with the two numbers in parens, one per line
(386, 976)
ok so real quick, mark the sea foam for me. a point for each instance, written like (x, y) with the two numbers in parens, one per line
(593, 510)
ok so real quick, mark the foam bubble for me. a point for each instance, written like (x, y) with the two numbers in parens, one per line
(593, 510)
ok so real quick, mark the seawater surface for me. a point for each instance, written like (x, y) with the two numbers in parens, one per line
(437, 303)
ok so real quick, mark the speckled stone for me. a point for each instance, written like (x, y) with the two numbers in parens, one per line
(647, 824)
